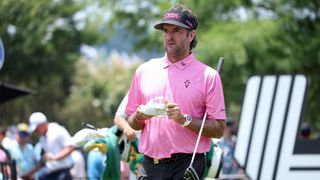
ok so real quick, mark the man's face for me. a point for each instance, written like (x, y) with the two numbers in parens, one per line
(176, 39)
(23, 137)
(40, 130)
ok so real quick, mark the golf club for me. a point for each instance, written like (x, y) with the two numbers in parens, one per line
(90, 126)
(190, 173)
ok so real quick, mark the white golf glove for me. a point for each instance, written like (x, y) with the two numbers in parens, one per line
(155, 107)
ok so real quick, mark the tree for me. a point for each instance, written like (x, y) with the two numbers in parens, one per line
(97, 91)
(42, 40)
(268, 37)
(255, 37)
(298, 42)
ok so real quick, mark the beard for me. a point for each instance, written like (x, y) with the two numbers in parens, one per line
(175, 50)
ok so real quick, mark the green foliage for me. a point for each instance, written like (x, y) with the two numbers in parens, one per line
(298, 34)
(42, 41)
(243, 46)
(273, 37)
(42, 50)
(96, 92)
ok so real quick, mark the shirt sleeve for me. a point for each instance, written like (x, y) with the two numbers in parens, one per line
(134, 94)
(215, 98)
(122, 107)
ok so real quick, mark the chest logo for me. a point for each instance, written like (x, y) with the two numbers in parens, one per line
(187, 83)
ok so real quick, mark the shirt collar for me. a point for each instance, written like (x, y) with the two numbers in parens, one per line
(181, 64)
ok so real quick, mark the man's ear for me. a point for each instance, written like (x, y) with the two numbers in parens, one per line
(192, 35)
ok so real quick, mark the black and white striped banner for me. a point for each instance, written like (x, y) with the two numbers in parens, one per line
(268, 145)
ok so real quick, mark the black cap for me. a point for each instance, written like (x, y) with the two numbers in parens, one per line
(179, 17)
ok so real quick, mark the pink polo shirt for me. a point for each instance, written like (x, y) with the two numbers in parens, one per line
(195, 87)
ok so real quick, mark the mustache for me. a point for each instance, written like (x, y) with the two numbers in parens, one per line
(171, 41)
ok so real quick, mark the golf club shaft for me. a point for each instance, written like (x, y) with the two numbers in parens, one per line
(219, 68)
(198, 139)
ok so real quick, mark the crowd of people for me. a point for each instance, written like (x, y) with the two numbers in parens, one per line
(47, 158)
(192, 94)
(53, 150)
(52, 156)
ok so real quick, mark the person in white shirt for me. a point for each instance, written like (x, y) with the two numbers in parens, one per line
(57, 146)
(120, 120)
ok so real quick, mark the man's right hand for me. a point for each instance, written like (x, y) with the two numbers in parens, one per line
(130, 133)
(136, 120)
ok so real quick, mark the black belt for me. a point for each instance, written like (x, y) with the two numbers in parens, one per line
(173, 158)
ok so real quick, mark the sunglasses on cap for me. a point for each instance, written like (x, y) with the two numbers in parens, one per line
(23, 134)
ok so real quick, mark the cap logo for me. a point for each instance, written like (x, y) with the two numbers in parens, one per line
(189, 23)
(171, 16)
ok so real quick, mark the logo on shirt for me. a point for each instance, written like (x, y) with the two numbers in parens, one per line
(187, 83)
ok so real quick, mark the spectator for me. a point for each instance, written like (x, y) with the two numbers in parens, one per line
(56, 146)
(22, 151)
(120, 120)
(96, 163)
(78, 170)
(305, 131)
(227, 144)
(38, 151)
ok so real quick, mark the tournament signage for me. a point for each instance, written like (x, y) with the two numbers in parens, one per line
(1, 53)
(268, 136)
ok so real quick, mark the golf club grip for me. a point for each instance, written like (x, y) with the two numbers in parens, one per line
(220, 64)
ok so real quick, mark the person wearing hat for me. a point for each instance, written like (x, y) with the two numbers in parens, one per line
(190, 90)
(56, 145)
(22, 151)
(227, 144)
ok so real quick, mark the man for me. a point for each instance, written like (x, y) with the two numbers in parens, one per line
(131, 153)
(227, 144)
(22, 151)
(190, 89)
(120, 120)
(56, 144)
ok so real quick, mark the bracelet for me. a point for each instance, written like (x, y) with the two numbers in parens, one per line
(137, 120)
